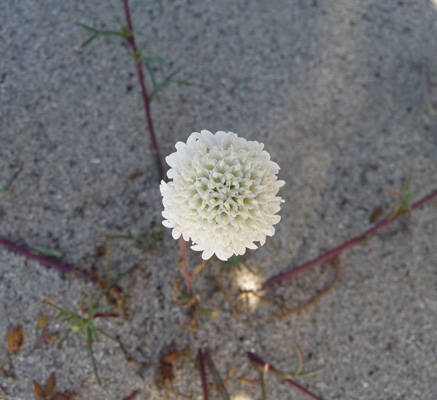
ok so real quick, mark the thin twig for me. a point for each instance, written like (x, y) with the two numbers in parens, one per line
(202, 371)
(258, 360)
(139, 66)
(353, 242)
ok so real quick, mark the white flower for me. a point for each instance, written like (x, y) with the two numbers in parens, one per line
(221, 193)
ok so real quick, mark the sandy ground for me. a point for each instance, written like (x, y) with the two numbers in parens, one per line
(333, 89)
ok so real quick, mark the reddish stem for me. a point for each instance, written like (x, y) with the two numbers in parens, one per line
(202, 371)
(106, 315)
(146, 102)
(132, 396)
(353, 242)
(182, 246)
(139, 65)
(258, 360)
(47, 261)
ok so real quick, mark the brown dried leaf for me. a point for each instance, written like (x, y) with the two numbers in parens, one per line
(172, 357)
(375, 214)
(134, 175)
(50, 385)
(38, 390)
(166, 370)
(250, 382)
(54, 337)
(15, 340)
(63, 396)
(42, 338)
(100, 251)
(42, 322)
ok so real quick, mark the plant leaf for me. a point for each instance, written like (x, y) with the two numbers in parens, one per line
(50, 385)
(38, 390)
(15, 340)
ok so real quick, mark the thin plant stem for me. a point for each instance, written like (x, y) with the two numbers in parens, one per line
(156, 154)
(350, 243)
(202, 371)
(146, 102)
(182, 246)
(49, 262)
(132, 396)
(258, 360)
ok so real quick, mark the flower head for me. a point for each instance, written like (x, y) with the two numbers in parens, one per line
(221, 193)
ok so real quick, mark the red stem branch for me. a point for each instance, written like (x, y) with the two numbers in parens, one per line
(155, 150)
(139, 66)
(47, 261)
(353, 242)
(202, 371)
(132, 396)
(258, 360)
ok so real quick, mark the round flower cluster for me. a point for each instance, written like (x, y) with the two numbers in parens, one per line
(221, 193)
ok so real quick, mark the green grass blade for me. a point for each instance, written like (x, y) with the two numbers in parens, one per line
(90, 352)
(216, 376)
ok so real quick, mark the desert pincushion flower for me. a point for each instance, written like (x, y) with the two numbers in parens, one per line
(221, 193)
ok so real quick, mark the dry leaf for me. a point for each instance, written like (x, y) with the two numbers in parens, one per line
(172, 357)
(134, 175)
(250, 382)
(62, 396)
(54, 337)
(166, 370)
(42, 338)
(100, 251)
(42, 322)
(375, 214)
(15, 340)
(38, 390)
(50, 385)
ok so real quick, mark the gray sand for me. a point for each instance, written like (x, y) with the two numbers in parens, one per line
(334, 91)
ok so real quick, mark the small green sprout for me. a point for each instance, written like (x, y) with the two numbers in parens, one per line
(144, 240)
(48, 252)
(123, 33)
(298, 373)
(7, 186)
(84, 322)
(406, 197)
(148, 62)
(216, 376)
(83, 325)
